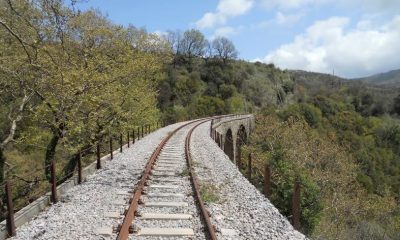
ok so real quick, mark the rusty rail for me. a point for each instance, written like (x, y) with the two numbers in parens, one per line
(125, 228)
(193, 177)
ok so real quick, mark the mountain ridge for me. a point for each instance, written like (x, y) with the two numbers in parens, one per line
(385, 79)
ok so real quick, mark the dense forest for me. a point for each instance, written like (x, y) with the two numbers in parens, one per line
(69, 79)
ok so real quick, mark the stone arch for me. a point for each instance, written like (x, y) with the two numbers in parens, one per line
(241, 139)
(228, 145)
(217, 139)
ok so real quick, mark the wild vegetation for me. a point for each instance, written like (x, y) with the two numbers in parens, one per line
(69, 79)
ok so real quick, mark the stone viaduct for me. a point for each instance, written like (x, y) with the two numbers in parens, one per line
(231, 133)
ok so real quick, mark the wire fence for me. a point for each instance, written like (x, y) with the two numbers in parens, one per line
(254, 169)
(17, 191)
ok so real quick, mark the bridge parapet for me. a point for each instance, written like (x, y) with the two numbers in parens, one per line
(232, 132)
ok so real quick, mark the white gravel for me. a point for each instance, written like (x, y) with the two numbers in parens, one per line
(83, 208)
(174, 149)
(241, 208)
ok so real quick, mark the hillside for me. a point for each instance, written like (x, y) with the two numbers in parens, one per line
(388, 79)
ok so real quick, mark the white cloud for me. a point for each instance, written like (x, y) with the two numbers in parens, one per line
(225, 10)
(288, 19)
(234, 7)
(369, 5)
(225, 32)
(330, 44)
(282, 19)
(210, 20)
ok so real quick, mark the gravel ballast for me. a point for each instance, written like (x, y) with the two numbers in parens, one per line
(241, 211)
(86, 208)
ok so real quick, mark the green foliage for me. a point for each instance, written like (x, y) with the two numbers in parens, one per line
(206, 106)
(241, 85)
(347, 166)
(311, 114)
(282, 191)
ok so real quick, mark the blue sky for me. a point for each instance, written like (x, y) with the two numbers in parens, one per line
(353, 37)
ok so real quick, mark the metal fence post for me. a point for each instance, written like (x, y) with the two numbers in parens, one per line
(138, 133)
(54, 197)
(98, 156)
(267, 180)
(128, 140)
(120, 142)
(111, 148)
(142, 132)
(211, 129)
(133, 136)
(79, 167)
(296, 205)
(10, 211)
(249, 167)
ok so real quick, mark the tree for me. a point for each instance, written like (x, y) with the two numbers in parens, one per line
(224, 49)
(87, 75)
(193, 44)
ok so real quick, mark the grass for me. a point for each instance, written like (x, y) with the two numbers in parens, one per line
(184, 173)
(209, 193)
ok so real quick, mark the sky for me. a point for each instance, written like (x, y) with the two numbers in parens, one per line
(352, 38)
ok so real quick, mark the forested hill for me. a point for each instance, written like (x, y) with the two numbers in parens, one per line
(389, 79)
(340, 137)
(210, 86)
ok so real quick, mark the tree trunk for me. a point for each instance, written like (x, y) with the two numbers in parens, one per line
(2, 161)
(71, 165)
(50, 153)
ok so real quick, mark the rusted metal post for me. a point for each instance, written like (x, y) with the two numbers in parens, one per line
(133, 136)
(79, 167)
(120, 142)
(10, 211)
(296, 205)
(267, 180)
(249, 167)
(128, 139)
(211, 129)
(111, 148)
(98, 165)
(53, 179)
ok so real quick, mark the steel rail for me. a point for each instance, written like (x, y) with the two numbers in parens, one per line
(195, 182)
(125, 228)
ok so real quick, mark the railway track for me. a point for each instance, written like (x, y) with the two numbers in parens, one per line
(166, 200)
